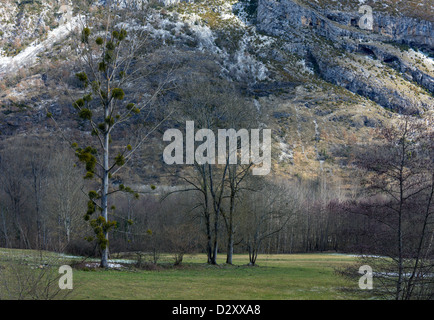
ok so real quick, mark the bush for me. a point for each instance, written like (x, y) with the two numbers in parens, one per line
(31, 278)
(81, 248)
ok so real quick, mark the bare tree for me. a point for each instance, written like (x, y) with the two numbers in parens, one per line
(65, 198)
(14, 186)
(114, 68)
(215, 104)
(400, 184)
(31, 277)
(265, 213)
(38, 166)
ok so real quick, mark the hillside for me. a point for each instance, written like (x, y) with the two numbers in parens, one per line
(324, 83)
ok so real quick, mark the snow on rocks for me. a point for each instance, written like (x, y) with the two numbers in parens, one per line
(28, 57)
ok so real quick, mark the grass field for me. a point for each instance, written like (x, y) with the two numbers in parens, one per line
(277, 277)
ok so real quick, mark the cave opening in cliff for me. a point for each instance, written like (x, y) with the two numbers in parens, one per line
(367, 52)
(393, 62)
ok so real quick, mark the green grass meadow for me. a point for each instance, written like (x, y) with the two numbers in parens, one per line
(276, 277)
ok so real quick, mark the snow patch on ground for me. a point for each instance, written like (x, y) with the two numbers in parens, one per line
(97, 265)
(286, 153)
(67, 256)
(356, 255)
(112, 264)
(28, 57)
(405, 275)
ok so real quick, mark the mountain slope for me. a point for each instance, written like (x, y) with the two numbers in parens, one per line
(324, 82)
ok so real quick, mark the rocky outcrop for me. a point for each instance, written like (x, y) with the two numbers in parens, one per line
(276, 16)
(171, 2)
(409, 71)
(412, 31)
(357, 81)
(304, 27)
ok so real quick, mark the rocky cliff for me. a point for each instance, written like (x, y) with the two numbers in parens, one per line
(277, 16)
(330, 39)
(323, 82)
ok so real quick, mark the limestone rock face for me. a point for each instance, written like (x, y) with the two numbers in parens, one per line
(276, 16)
(171, 2)
(317, 33)
(405, 29)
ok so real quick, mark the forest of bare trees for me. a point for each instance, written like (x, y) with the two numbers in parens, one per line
(43, 200)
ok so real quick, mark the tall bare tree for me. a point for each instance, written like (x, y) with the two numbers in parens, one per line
(216, 105)
(265, 213)
(65, 198)
(400, 183)
(13, 182)
(113, 74)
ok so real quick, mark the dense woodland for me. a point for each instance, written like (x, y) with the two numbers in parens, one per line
(386, 212)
